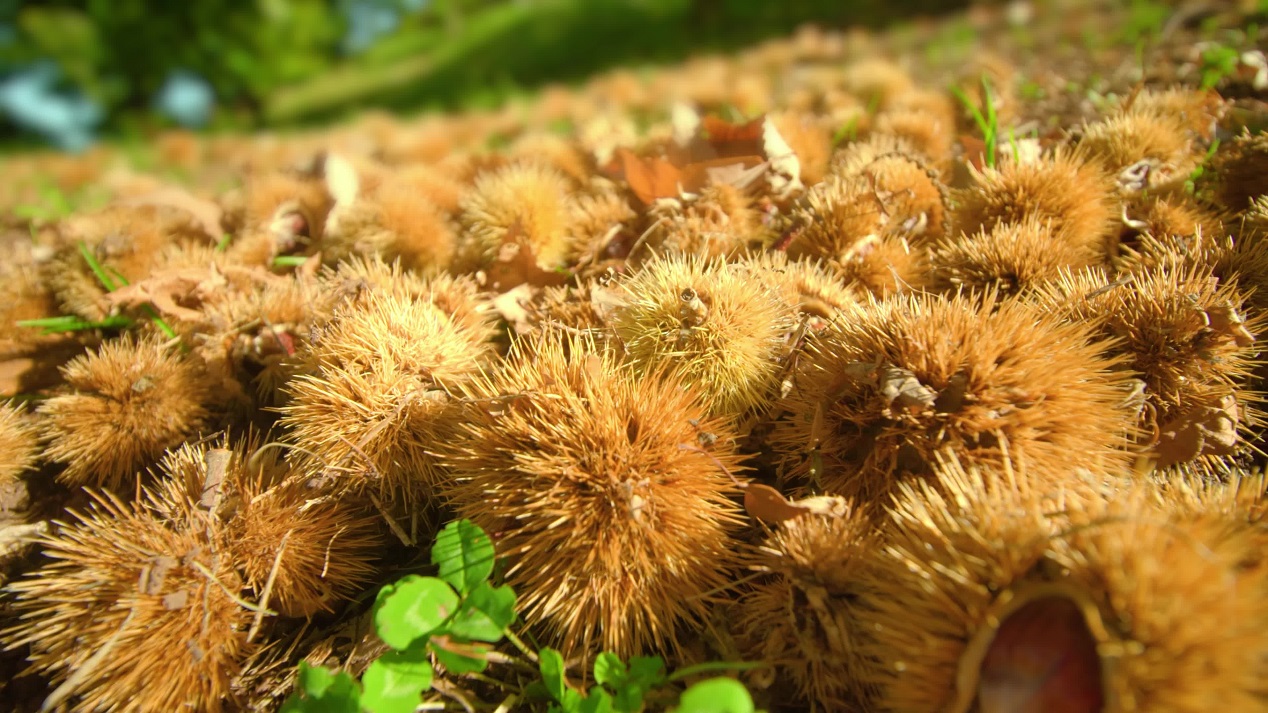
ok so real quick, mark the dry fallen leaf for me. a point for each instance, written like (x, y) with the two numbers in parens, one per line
(165, 290)
(510, 306)
(208, 214)
(650, 178)
(767, 504)
(785, 167)
(1204, 429)
(605, 301)
(727, 140)
(903, 390)
(343, 184)
(516, 263)
(1225, 320)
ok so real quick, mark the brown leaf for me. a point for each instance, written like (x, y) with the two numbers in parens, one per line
(208, 214)
(730, 140)
(695, 176)
(974, 151)
(605, 301)
(650, 178)
(767, 504)
(1225, 320)
(903, 390)
(1204, 429)
(510, 306)
(785, 168)
(740, 174)
(594, 368)
(164, 290)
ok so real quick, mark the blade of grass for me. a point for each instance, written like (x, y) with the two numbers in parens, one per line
(104, 277)
(71, 323)
(988, 124)
(95, 266)
(289, 260)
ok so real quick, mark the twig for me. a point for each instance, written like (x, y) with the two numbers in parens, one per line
(510, 636)
(268, 587)
(236, 599)
(643, 238)
(508, 704)
(392, 524)
(216, 461)
(62, 692)
(448, 689)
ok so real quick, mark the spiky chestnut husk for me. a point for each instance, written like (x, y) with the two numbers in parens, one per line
(930, 136)
(876, 79)
(615, 528)
(1235, 176)
(813, 289)
(126, 403)
(1182, 331)
(601, 223)
(1244, 259)
(950, 547)
(885, 266)
(894, 382)
(854, 155)
(525, 202)
(914, 200)
(810, 140)
(1142, 149)
(1198, 112)
(281, 213)
(432, 184)
(586, 308)
(833, 217)
(842, 221)
(713, 325)
(124, 604)
(392, 223)
(19, 443)
(1010, 258)
(1139, 607)
(125, 241)
(1181, 596)
(1171, 222)
(722, 222)
(24, 295)
(1074, 196)
(324, 544)
(253, 335)
(375, 398)
(799, 616)
(354, 279)
(316, 544)
(555, 151)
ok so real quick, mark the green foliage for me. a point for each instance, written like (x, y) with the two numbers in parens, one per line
(119, 52)
(465, 558)
(717, 695)
(111, 280)
(988, 124)
(1190, 184)
(318, 690)
(454, 618)
(1145, 19)
(1218, 61)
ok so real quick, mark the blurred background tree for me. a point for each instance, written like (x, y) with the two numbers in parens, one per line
(71, 70)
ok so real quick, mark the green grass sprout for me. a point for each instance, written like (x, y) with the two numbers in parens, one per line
(988, 124)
